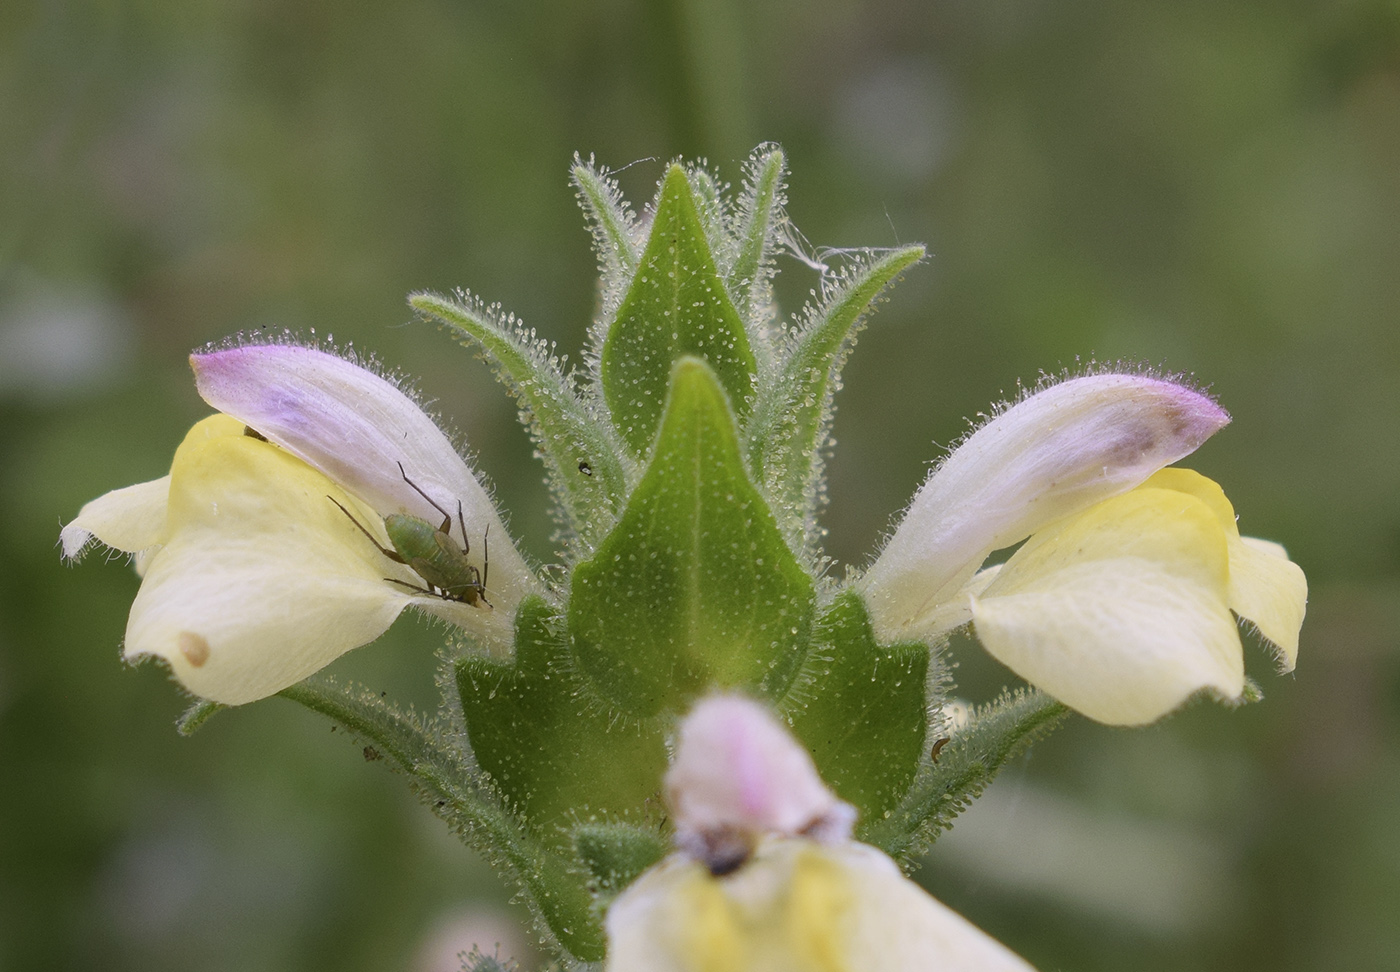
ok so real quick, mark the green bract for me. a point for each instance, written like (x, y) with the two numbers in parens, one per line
(694, 587)
(686, 461)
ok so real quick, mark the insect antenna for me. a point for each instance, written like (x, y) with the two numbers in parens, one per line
(418, 588)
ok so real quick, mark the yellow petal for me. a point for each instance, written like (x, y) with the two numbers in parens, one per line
(1120, 612)
(262, 580)
(898, 919)
(130, 519)
(1265, 586)
(1270, 590)
(797, 906)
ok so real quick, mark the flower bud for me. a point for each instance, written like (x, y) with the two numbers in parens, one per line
(738, 774)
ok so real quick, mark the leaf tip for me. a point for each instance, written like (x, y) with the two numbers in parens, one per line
(196, 716)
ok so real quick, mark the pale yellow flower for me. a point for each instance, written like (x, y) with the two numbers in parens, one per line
(1120, 602)
(253, 576)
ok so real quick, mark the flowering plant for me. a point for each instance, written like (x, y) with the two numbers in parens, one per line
(581, 736)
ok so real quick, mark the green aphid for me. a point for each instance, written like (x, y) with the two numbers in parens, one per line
(431, 553)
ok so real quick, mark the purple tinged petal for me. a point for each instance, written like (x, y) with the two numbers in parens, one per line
(1053, 454)
(739, 774)
(357, 427)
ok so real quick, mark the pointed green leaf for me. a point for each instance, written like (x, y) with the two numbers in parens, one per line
(556, 892)
(444, 782)
(555, 755)
(612, 223)
(761, 208)
(402, 739)
(196, 716)
(860, 708)
(788, 428)
(713, 210)
(615, 235)
(955, 774)
(584, 459)
(404, 743)
(695, 586)
(677, 305)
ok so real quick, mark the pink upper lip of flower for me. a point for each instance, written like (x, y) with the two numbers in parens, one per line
(1054, 453)
(341, 418)
(367, 435)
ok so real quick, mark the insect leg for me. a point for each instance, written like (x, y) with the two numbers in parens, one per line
(439, 594)
(419, 589)
(446, 516)
(391, 554)
(480, 575)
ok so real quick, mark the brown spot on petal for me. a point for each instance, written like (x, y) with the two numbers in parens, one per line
(193, 647)
(1134, 441)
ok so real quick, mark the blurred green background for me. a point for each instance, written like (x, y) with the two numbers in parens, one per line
(1211, 187)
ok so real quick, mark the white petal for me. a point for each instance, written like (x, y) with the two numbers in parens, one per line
(356, 427)
(1053, 454)
(239, 621)
(131, 519)
(1120, 612)
(797, 906)
(956, 611)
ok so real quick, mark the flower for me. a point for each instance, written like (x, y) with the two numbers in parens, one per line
(256, 565)
(802, 896)
(1120, 602)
